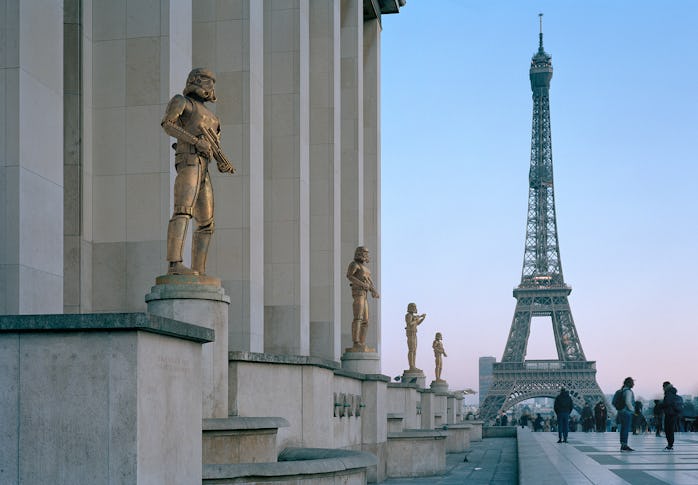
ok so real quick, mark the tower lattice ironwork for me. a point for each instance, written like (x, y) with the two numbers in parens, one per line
(542, 291)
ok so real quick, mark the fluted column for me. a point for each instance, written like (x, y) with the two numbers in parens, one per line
(137, 55)
(371, 195)
(229, 39)
(31, 157)
(352, 166)
(326, 274)
(286, 178)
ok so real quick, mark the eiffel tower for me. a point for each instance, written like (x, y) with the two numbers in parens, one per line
(542, 291)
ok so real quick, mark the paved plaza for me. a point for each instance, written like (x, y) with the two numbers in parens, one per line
(587, 458)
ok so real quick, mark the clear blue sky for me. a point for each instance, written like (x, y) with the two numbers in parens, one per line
(456, 130)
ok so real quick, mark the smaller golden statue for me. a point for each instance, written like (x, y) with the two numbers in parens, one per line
(361, 284)
(412, 321)
(438, 347)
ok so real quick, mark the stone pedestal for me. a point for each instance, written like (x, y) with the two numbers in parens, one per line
(364, 362)
(439, 386)
(414, 376)
(199, 300)
(100, 399)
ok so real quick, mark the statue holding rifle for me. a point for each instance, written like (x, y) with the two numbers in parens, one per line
(197, 131)
(361, 283)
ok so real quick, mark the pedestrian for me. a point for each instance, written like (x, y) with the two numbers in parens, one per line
(658, 416)
(587, 418)
(625, 414)
(538, 423)
(563, 407)
(638, 418)
(671, 408)
(600, 415)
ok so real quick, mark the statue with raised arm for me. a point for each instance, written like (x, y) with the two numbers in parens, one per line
(412, 321)
(359, 277)
(197, 131)
(439, 351)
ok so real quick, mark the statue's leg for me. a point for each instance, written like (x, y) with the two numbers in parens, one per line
(364, 321)
(201, 238)
(358, 321)
(186, 187)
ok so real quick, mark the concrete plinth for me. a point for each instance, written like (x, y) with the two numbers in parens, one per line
(414, 376)
(100, 399)
(206, 305)
(364, 362)
(416, 453)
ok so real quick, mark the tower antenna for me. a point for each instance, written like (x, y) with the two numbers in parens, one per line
(540, 35)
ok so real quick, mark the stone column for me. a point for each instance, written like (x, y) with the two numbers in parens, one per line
(451, 404)
(31, 157)
(428, 408)
(286, 178)
(326, 275)
(228, 38)
(352, 136)
(372, 164)
(199, 300)
(138, 55)
(374, 425)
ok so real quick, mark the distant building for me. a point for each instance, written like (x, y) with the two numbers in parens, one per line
(485, 366)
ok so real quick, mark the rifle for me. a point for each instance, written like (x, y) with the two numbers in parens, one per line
(222, 161)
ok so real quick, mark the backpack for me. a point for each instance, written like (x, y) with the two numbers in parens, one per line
(618, 400)
(678, 405)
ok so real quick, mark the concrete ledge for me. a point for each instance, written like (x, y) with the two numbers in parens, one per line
(243, 423)
(243, 356)
(86, 322)
(240, 440)
(499, 431)
(296, 464)
(535, 466)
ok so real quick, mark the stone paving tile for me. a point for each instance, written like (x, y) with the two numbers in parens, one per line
(589, 456)
(490, 461)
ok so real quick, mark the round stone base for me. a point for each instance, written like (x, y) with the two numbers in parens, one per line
(187, 279)
(206, 306)
(363, 362)
(439, 386)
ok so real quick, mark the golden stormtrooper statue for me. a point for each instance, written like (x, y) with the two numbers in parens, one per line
(197, 131)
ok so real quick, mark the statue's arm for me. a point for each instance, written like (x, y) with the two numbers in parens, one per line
(175, 109)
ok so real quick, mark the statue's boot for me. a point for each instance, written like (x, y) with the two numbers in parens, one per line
(199, 250)
(355, 332)
(176, 230)
(362, 333)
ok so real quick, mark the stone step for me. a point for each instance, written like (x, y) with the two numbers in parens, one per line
(237, 440)
(318, 466)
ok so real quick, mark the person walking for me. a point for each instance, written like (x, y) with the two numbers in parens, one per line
(670, 406)
(600, 415)
(658, 416)
(587, 418)
(563, 407)
(625, 414)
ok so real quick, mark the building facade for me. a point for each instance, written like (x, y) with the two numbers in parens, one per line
(86, 172)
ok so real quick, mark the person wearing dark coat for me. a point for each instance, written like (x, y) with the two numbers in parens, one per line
(538, 423)
(563, 407)
(658, 417)
(671, 415)
(600, 416)
(587, 418)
